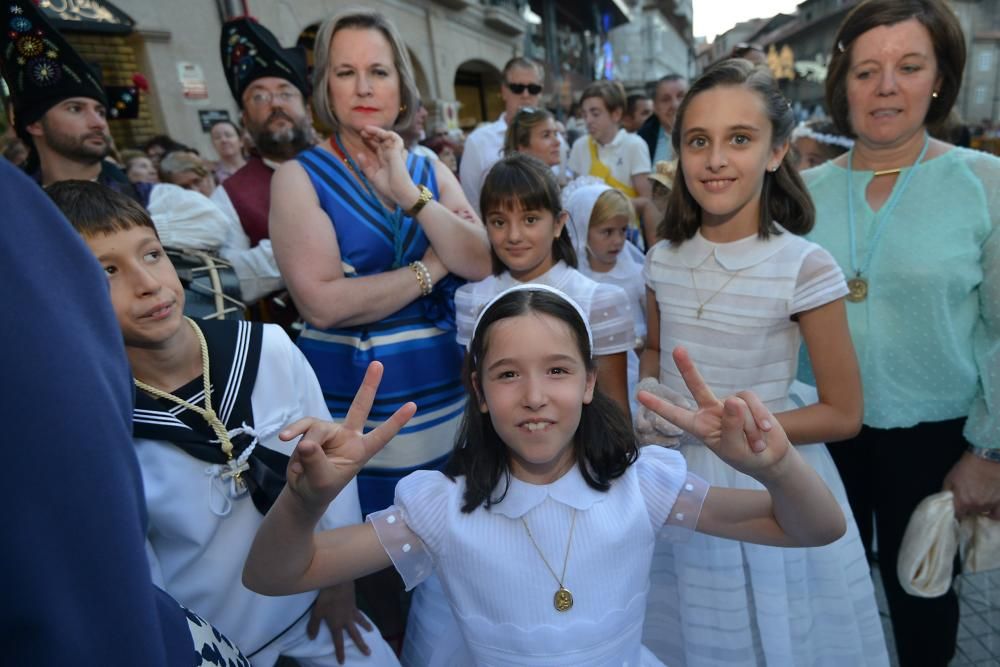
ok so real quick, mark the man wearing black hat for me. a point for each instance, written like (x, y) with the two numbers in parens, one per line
(270, 85)
(60, 107)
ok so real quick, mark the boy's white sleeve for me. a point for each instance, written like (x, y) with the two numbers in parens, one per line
(345, 510)
(638, 156)
(579, 157)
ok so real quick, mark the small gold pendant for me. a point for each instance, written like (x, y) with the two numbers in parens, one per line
(563, 599)
(857, 289)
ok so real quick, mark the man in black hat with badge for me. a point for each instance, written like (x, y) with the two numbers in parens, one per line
(60, 108)
(270, 85)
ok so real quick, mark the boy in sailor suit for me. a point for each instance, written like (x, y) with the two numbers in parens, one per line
(211, 399)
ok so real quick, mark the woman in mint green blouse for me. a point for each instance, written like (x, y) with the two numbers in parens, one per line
(913, 222)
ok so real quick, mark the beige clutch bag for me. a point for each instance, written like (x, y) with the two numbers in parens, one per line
(932, 539)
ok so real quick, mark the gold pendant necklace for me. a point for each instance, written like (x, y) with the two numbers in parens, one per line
(207, 413)
(858, 285)
(857, 288)
(562, 600)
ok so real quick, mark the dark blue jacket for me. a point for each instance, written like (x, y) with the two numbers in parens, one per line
(76, 583)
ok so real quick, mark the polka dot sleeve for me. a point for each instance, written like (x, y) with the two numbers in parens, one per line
(411, 531)
(407, 552)
(611, 320)
(674, 496)
(982, 428)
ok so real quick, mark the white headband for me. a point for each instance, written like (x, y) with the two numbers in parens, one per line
(803, 131)
(536, 287)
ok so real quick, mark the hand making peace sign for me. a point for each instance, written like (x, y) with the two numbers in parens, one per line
(330, 455)
(740, 430)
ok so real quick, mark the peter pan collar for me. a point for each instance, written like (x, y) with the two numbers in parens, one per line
(556, 277)
(570, 489)
(732, 256)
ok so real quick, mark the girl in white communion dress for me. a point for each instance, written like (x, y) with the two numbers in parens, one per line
(543, 525)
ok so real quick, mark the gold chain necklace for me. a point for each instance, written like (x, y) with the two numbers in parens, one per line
(563, 599)
(694, 285)
(207, 413)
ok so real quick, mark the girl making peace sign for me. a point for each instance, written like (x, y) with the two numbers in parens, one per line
(542, 530)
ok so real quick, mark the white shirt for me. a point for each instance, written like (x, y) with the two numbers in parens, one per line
(626, 155)
(483, 148)
(255, 267)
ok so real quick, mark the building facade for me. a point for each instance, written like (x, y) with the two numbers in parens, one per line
(457, 47)
(979, 99)
(658, 41)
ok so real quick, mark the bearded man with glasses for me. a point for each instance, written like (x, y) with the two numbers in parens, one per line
(271, 87)
(521, 87)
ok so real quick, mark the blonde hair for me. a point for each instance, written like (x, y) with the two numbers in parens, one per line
(364, 19)
(610, 204)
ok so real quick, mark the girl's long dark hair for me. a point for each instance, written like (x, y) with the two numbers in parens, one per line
(783, 197)
(524, 180)
(603, 445)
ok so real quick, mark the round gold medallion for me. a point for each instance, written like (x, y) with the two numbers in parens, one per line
(857, 289)
(563, 599)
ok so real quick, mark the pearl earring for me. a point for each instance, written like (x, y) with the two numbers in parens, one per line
(934, 94)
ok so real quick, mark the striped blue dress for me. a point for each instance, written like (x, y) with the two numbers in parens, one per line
(416, 344)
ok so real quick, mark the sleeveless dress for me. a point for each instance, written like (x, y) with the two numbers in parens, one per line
(416, 344)
(722, 602)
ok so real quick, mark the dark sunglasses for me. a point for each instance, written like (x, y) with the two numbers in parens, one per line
(518, 88)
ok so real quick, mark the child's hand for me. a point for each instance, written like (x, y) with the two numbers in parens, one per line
(329, 455)
(741, 431)
(705, 423)
(650, 427)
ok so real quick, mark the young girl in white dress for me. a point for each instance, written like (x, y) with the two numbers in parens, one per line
(526, 224)
(736, 285)
(599, 219)
(542, 527)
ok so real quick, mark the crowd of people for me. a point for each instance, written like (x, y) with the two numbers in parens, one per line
(657, 395)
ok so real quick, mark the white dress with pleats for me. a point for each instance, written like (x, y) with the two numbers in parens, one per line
(722, 602)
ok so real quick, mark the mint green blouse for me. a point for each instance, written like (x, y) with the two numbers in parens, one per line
(928, 335)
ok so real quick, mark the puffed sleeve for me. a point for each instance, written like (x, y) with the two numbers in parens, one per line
(647, 268)
(411, 531)
(303, 399)
(674, 496)
(466, 311)
(611, 320)
(819, 282)
(982, 428)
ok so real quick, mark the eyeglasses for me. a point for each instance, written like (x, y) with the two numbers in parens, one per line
(261, 98)
(518, 88)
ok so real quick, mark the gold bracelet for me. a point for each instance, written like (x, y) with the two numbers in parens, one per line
(425, 196)
(423, 275)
